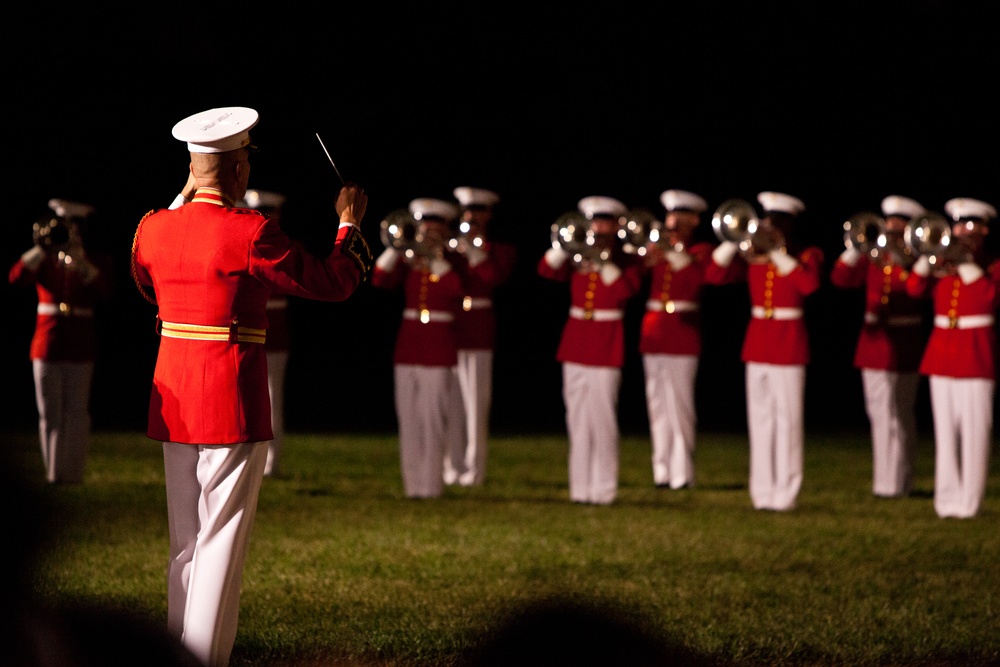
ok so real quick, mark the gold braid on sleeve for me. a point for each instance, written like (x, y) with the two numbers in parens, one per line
(135, 275)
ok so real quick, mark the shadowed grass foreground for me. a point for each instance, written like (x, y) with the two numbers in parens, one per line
(343, 570)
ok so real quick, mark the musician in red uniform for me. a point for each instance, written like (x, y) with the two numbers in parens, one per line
(960, 357)
(776, 345)
(212, 267)
(670, 338)
(490, 264)
(592, 349)
(69, 284)
(426, 353)
(889, 345)
(277, 343)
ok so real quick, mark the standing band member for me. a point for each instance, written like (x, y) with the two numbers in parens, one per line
(960, 357)
(490, 264)
(212, 267)
(64, 344)
(425, 353)
(889, 346)
(592, 349)
(670, 338)
(776, 346)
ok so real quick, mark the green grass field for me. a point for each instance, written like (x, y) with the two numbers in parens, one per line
(343, 570)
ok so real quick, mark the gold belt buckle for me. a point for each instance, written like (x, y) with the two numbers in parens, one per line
(64, 308)
(668, 306)
(768, 313)
(588, 314)
(467, 304)
(425, 316)
(952, 322)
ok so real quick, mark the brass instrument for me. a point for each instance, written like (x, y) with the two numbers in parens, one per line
(639, 228)
(930, 234)
(868, 233)
(465, 238)
(572, 232)
(736, 220)
(53, 232)
(400, 230)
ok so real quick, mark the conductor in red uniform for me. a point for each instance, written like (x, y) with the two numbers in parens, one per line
(68, 284)
(776, 346)
(960, 358)
(212, 267)
(670, 338)
(425, 354)
(889, 345)
(490, 264)
(592, 348)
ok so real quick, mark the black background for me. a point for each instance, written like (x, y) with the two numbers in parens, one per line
(837, 103)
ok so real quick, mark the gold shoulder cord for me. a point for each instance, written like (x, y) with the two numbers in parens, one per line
(135, 277)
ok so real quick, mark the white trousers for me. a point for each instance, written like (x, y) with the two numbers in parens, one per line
(890, 399)
(468, 444)
(211, 504)
(277, 363)
(775, 408)
(963, 424)
(62, 395)
(425, 399)
(591, 397)
(670, 382)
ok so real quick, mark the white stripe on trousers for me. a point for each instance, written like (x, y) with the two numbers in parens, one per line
(211, 504)
(590, 394)
(963, 425)
(775, 395)
(670, 403)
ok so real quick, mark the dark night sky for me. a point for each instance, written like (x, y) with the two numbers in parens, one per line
(837, 103)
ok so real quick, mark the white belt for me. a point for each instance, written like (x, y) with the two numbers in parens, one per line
(426, 316)
(762, 313)
(598, 315)
(277, 304)
(897, 321)
(64, 309)
(670, 306)
(476, 303)
(963, 322)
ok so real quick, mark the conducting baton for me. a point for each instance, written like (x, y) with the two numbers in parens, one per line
(330, 159)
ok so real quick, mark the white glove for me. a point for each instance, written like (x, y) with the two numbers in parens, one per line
(387, 260)
(555, 257)
(476, 256)
(610, 273)
(178, 201)
(850, 256)
(922, 267)
(784, 262)
(724, 253)
(33, 258)
(969, 272)
(678, 260)
(439, 266)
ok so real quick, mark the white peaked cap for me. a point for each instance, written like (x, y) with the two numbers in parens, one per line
(70, 209)
(901, 206)
(217, 130)
(468, 196)
(423, 208)
(594, 206)
(963, 207)
(263, 199)
(682, 200)
(779, 201)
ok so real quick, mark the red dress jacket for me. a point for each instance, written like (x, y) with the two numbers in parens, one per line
(215, 266)
(961, 348)
(594, 333)
(426, 335)
(672, 322)
(891, 337)
(776, 333)
(475, 326)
